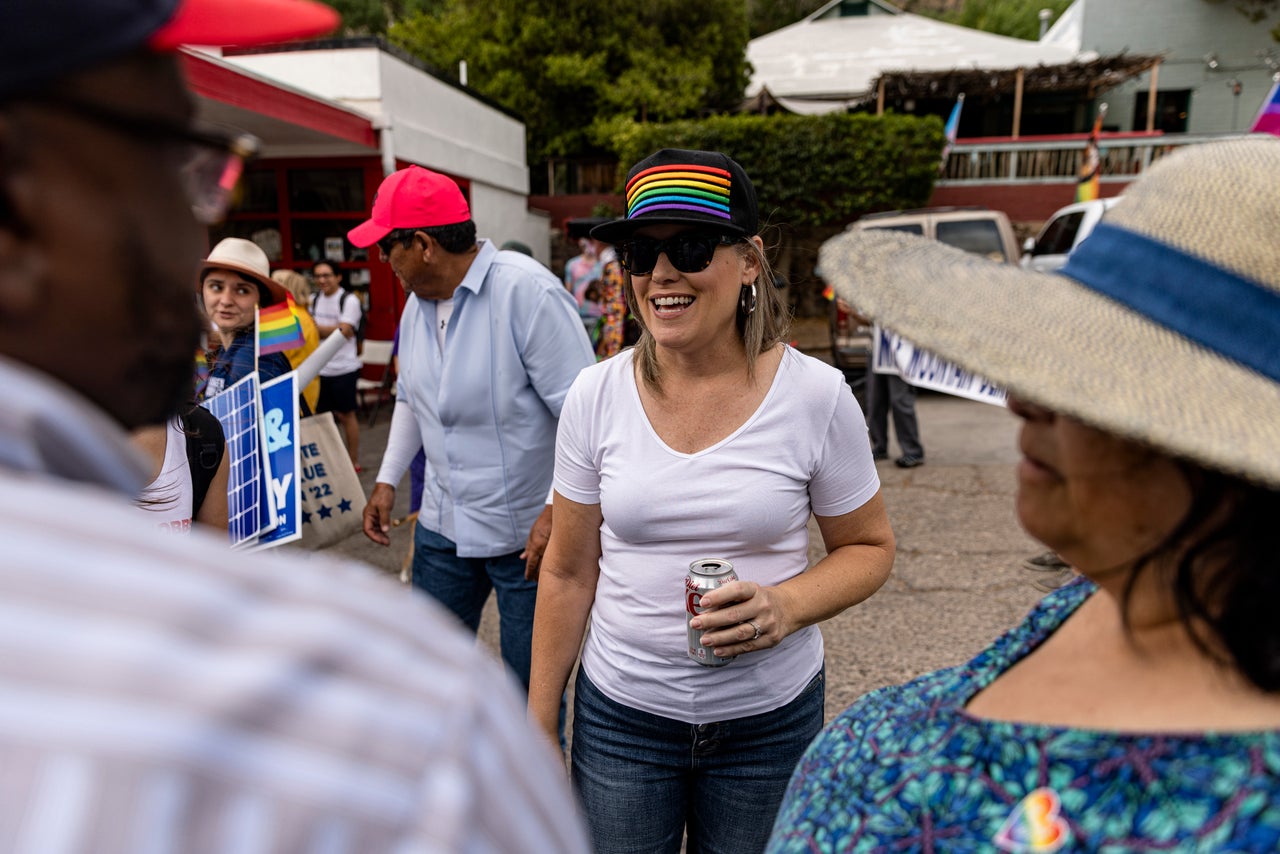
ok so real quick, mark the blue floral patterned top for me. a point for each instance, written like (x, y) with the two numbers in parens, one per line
(905, 768)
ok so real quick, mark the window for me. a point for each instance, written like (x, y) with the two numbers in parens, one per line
(852, 9)
(1171, 110)
(326, 190)
(980, 236)
(908, 227)
(1060, 235)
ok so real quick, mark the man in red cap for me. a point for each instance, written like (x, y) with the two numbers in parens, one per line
(490, 342)
(163, 694)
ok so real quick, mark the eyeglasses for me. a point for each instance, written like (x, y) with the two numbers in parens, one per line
(399, 235)
(688, 251)
(209, 161)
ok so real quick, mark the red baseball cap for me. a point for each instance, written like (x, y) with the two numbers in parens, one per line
(411, 198)
(243, 22)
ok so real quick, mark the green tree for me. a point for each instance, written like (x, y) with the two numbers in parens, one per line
(568, 67)
(1015, 18)
(812, 174)
(373, 17)
(769, 15)
(808, 171)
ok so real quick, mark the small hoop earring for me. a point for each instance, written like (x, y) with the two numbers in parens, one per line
(747, 301)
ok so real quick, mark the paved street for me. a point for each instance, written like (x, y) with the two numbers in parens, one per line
(955, 585)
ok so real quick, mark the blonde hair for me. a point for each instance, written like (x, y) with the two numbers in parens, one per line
(296, 284)
(760, 329)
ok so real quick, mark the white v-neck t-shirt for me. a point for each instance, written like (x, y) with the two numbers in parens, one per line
(746, 499)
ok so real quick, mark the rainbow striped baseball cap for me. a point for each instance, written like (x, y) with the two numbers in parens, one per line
(682, 187)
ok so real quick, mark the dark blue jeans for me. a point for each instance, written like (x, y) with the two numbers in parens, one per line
(462, 585)
(645, 779)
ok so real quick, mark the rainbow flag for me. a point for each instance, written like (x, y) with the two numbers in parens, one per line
(828, 293)
(278, 328)
(202, 374)
(1087, 184)
(1268, 120)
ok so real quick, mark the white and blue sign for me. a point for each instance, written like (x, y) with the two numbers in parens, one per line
(248, 506)
(281, 448)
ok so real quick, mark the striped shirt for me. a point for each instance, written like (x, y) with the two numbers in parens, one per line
(160, 694)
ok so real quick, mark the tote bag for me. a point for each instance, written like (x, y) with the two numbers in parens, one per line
(332, 498)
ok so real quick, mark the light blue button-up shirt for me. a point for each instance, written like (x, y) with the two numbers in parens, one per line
(487, 406)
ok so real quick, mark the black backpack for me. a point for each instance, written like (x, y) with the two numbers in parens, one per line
(342, 305)
(205, 447)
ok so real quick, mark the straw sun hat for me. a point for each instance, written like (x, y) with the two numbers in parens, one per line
(1164, 326)
(246, 258)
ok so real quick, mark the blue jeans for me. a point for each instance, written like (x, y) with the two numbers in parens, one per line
(462, 585)
(643, 778)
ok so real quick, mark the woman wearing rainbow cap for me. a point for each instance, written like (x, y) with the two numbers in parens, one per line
(710, 439)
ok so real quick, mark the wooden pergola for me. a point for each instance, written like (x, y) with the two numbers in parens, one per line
(1089, 78)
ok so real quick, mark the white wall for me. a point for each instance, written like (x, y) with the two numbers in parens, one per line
(1186, 30)
(350, 76)
(443, 127)
(500, 220)
(426, 121)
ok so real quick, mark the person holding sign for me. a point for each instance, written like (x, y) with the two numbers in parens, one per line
(890, 393)
(1138, 706)
(234, 281)
(165, 693)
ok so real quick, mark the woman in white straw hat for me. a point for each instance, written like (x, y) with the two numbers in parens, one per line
(710, 439)
(235, 280)
(1138, 707)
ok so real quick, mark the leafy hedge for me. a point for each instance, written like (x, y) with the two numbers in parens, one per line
(809, 170)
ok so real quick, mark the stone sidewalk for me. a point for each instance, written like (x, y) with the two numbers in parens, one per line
(955, 585)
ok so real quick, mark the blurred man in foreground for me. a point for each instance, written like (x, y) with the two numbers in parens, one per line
(158, 694)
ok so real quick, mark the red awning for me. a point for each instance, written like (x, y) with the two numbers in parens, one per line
(283, 118)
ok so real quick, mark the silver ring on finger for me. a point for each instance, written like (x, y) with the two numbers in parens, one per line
(753, 625)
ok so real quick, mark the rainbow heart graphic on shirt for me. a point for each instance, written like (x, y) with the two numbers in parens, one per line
(1035, 826)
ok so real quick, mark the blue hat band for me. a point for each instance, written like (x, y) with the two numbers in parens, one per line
(1229, 314)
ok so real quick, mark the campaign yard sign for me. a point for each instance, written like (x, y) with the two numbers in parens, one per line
(281, 448)
(332, 497)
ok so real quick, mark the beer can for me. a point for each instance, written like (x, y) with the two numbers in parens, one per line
(704, 576)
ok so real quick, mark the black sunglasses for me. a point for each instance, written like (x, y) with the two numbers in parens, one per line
(399, 235)
(688, 251)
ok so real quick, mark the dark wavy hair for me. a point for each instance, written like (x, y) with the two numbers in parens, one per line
(1225, 572)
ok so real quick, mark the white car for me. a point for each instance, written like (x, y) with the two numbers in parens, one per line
(1063, 232)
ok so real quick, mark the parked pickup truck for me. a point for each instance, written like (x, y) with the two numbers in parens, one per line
(974, 229)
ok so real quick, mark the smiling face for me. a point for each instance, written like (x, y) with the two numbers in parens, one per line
(1096, 499)
(229, 299)
(692, 311)
(327, 279)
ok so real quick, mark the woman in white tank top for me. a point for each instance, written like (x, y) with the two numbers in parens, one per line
(169, 499)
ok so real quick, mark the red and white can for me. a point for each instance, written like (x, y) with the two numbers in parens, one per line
(704, 576)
